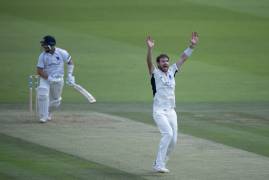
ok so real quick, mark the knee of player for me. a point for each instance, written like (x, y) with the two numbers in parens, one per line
(168, 134)
(42, 92)
(55, 103)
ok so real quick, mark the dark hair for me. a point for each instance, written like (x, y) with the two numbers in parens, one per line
(162, 56)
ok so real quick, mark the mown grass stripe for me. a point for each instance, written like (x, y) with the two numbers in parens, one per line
(20, 159)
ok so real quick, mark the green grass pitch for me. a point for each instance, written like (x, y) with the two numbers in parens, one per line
(24, 160)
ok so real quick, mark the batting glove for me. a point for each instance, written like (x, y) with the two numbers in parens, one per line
(70, 80)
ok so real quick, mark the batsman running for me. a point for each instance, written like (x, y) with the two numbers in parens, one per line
(50, 68)
(163, 87)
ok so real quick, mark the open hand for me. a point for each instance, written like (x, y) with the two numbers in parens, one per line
(150, 42)
(194, 39)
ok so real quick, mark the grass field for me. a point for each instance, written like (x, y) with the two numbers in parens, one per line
(127, 146)
(23, 160)
(222, 93)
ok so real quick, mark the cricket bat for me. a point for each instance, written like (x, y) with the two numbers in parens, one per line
(84, 92)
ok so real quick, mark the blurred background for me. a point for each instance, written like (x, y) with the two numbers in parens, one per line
(107, 42)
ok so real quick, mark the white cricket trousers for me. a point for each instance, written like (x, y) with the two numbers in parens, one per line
(166, 120)
(49, 96)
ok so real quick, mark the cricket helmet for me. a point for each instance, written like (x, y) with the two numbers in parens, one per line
(48, 41)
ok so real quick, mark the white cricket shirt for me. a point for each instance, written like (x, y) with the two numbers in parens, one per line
(53, 64)
(163, 87)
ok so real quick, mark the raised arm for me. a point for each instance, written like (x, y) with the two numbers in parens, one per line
(187, 53)
(150, 45)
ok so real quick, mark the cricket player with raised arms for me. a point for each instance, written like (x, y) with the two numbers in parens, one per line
(163, 87)
(50, 68)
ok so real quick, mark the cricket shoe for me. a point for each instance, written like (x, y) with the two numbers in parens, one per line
(161, 169)
(49, 117)
(42, 120)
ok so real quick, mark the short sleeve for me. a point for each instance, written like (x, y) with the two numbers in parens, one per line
(40, 63)
(154, 70)
(174, 69)
(66, 56)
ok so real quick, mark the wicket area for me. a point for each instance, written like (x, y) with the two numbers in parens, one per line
(33, 83)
